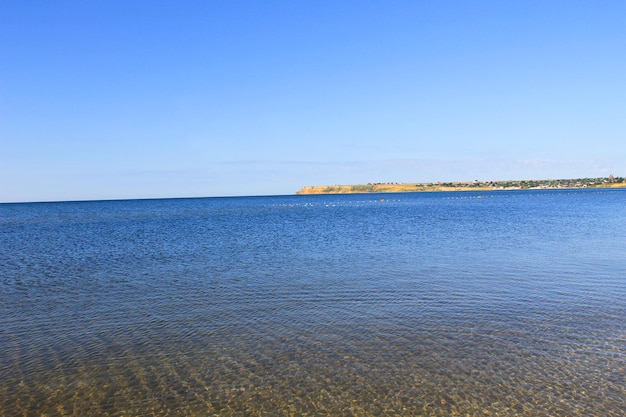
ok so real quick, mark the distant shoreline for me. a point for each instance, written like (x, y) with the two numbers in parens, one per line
(607, 182)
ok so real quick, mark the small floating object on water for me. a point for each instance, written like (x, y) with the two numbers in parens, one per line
(382, 200)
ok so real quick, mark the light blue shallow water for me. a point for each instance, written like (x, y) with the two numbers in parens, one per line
(501, 303)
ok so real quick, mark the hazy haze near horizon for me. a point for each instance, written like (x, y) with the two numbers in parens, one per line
(102, 100)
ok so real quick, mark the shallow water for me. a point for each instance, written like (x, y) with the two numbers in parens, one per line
(501, 303)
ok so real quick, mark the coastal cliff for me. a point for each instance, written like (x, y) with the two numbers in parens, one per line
(608, 182)
(381, 188)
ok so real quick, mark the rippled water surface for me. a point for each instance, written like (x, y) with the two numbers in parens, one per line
(443, 304)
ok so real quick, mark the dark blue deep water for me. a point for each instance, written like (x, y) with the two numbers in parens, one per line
(506, 303)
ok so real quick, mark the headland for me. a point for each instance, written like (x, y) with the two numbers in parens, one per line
(394, 187)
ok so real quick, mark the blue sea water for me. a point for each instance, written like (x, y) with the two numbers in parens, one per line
(503, 303)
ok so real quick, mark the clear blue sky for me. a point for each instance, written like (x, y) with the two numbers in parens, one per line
(139, 99)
